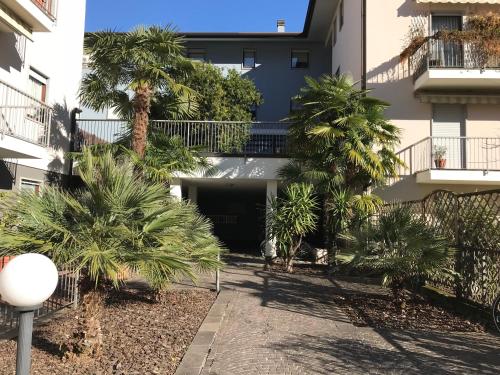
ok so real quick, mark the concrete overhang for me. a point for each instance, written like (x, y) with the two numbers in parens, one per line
(31, 14)
(458, 177)
(458, 79)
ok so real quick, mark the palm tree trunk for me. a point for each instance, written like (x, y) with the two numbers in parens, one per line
(87, 338)
(142, 106)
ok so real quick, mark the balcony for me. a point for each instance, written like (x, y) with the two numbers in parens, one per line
(444, 65)
(215, 138)
(466, 160)
(38, 15)
(22, 119)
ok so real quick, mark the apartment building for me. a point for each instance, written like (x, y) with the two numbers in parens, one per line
(40, 72)
(440, 98)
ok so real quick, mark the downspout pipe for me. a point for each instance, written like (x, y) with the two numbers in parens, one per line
(363, 45)
(72, 140)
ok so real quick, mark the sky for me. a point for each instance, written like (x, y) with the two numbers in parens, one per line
(196, 15)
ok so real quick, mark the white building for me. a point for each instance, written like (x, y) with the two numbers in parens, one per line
(41, 44)
(440, 97)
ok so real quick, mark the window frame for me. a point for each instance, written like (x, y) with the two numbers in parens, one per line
(201, 51)
(34, 76)
(297, 50)
(38, 184)
(254, 51)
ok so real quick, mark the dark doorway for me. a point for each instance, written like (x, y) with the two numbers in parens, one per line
(237, 215)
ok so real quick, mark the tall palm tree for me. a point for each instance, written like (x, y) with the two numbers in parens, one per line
(343, 145)
(128, 69)
(118, 221)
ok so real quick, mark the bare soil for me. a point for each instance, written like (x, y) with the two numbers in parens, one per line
(378, 311)
(140, 336)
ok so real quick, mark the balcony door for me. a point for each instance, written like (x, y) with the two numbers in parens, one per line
(448, 130)
(445, 54)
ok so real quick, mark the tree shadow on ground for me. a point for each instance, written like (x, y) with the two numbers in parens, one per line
(420, 353)
(294, 293)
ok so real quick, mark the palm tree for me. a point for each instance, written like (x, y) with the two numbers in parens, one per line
(290, 219)
(167, 156)
(118, 222)
(129, 69)
(402, 247)
(343, 145)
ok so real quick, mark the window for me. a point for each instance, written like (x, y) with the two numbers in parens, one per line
(335, 31)
(37, 85)
(248, 58)
(341, 14)
(197, 54)
(300, 59)
(31, 185)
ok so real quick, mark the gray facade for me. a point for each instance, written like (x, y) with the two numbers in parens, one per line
(273, 75)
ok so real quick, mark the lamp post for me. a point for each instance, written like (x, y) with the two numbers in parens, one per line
(25, 283)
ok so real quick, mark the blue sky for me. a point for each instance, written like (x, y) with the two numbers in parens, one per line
(196, 15)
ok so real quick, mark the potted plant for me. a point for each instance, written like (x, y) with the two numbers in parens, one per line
(439, 156)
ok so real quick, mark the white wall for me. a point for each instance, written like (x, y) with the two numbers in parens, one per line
(57, 55)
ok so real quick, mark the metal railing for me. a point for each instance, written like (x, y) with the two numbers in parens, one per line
(212, 137)
(440, 54)
(66, 294)
(461, 153)
(47, 6)
(24, 117)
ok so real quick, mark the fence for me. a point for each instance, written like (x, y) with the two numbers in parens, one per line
(66, 294)
(472, 223)
(212, 137)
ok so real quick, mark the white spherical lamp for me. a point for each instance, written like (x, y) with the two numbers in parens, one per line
(28, 280)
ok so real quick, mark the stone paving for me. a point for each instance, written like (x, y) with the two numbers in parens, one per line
(278, 324)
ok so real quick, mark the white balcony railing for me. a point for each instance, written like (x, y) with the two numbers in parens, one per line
(461, 153)
(211, 137)
(24, 117)
(47, 6)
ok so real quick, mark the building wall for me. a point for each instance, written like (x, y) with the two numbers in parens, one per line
(391, 81)
(273, 75)
(346, 53)
(57, 55)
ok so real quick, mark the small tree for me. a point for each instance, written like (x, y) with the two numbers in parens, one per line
(220, 96)
(290, 219)
(403, 248)
(118, 222)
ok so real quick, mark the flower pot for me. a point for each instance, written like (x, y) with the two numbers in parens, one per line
(440, 163)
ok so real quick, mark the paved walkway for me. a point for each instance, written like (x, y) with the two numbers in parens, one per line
(280, 324)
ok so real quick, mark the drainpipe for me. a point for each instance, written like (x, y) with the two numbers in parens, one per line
(363, 45)
(72, 140)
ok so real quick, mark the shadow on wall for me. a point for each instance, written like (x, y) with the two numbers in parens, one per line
(59, 141)
(13, 50)
(255, 168)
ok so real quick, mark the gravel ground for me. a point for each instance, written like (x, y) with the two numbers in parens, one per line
(140, 337)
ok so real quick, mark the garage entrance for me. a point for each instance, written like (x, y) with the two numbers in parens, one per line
(237, 213)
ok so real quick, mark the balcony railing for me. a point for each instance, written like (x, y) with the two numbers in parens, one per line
(461, 153)
(440, 54)
(24, 117)
(211, 137)
(47, 6)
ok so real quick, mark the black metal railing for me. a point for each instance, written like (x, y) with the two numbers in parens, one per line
(441, 54)
(211, 137)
